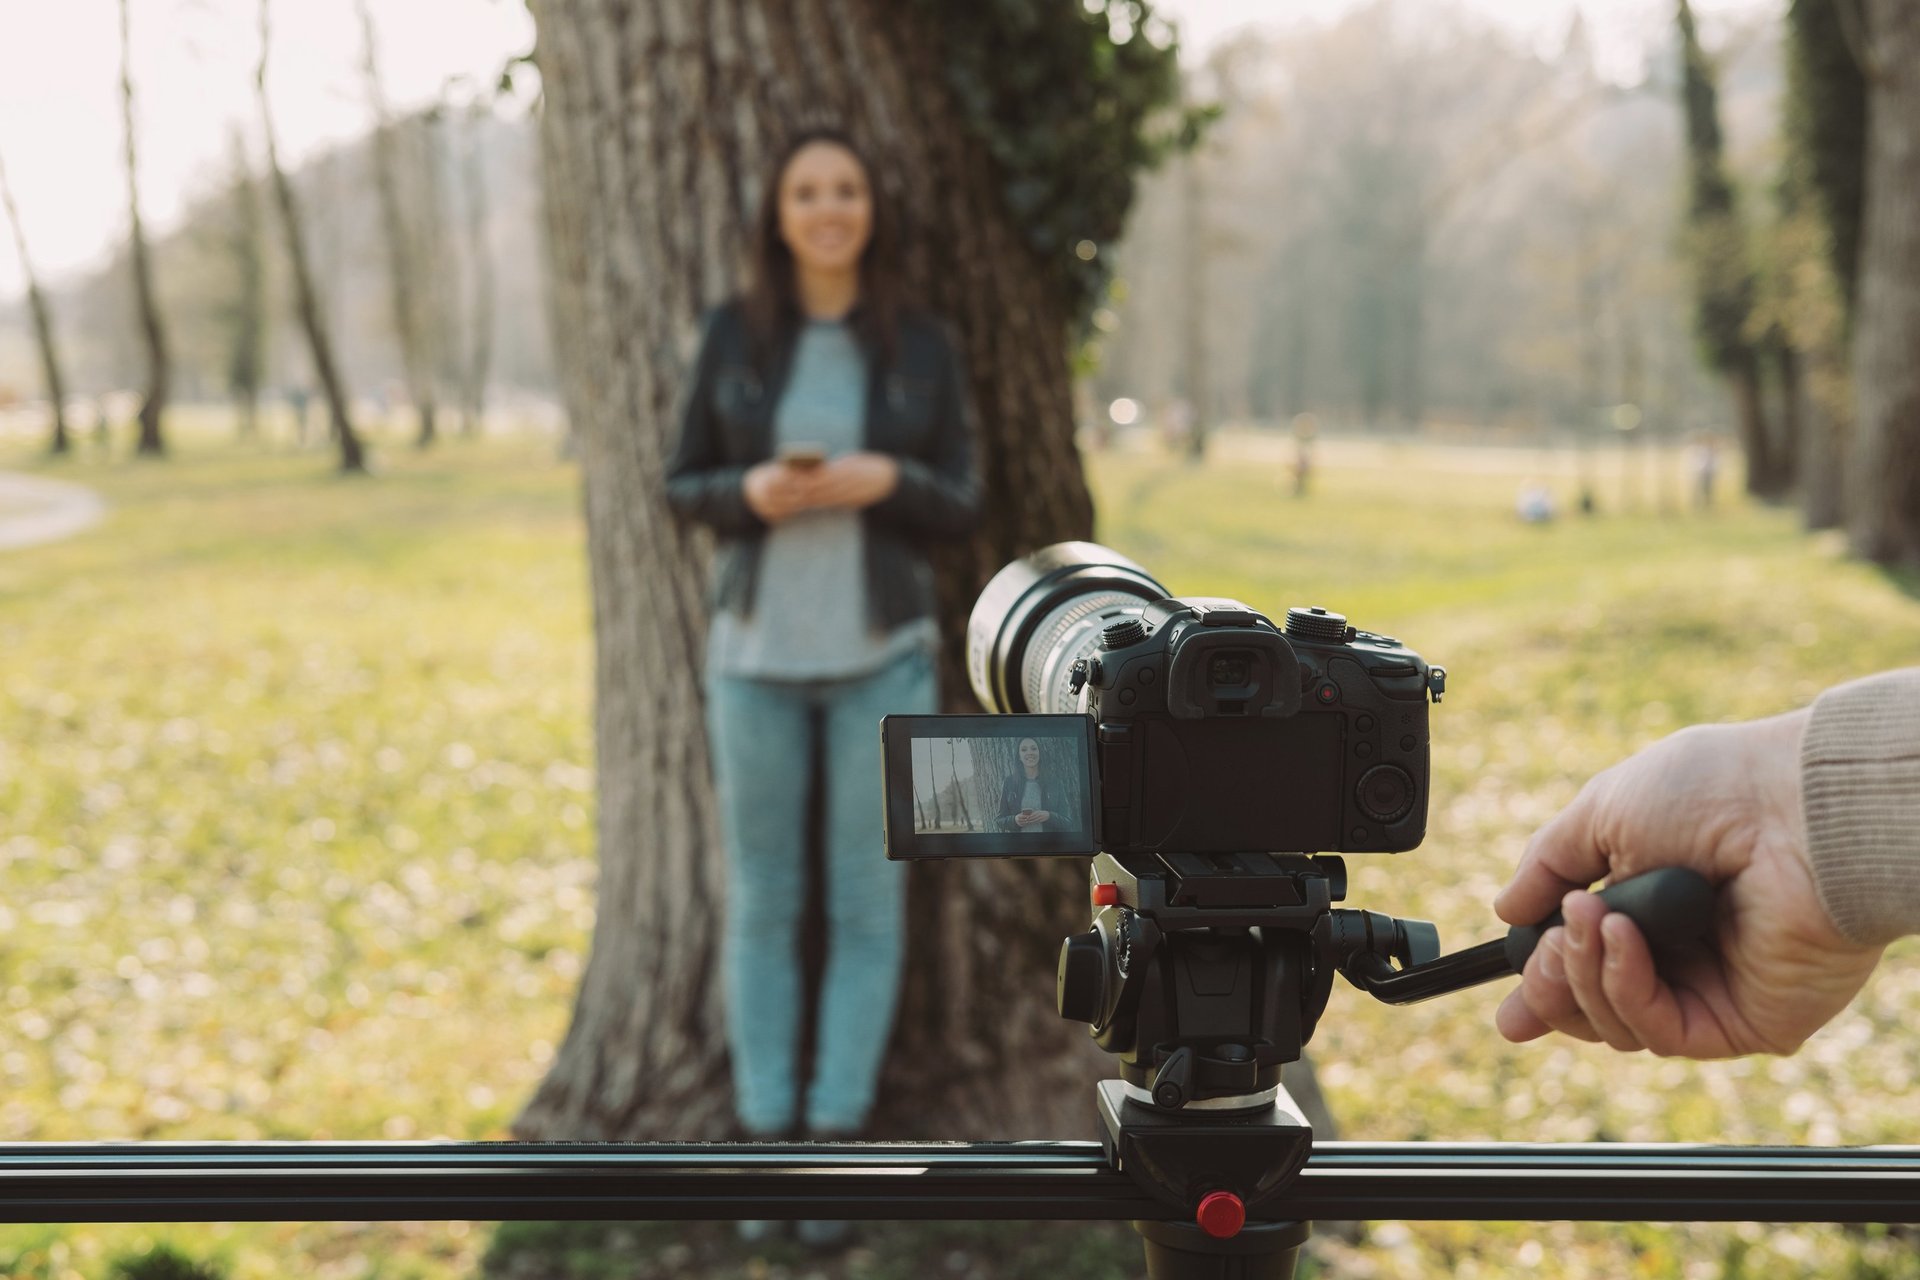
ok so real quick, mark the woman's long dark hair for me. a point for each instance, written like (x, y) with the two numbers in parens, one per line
(772, 299)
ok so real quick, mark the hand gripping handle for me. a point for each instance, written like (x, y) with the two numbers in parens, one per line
(1673, 907)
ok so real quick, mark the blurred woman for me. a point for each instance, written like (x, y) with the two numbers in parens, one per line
(825, 440)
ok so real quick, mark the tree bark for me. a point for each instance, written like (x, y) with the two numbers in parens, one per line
(306, 298)
(412, 327)
(151, 443)
(62, 439)
(1883, 497)
(658, 118)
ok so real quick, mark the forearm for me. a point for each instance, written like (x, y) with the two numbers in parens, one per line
(715, 497)
(1860, 776)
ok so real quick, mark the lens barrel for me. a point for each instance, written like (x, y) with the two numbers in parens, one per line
(1041, 613)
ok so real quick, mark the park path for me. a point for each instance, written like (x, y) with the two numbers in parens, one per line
(34, 510)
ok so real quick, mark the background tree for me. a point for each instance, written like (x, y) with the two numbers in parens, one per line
(306, 298)
(1723, 274)
(1883, 489)
(61, 442)
(246, 311)
(1825, 122)
(1007, 133)
(154, 403)
(478, 277)
(409, 277)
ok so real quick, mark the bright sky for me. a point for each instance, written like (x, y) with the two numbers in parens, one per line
(193, 62)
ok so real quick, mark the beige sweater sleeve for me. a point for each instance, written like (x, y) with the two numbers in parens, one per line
(1860, 776)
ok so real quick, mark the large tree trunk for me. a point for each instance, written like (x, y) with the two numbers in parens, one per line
(154, 404)
(62, 440)
(1884, 462)
(658, 118)
(306, 298)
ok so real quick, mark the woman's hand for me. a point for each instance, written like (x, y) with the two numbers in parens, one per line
(1033, 817)
(1724, 800)
(855, 480)
(776, 491)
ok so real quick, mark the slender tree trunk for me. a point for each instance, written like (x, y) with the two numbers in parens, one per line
(1785, 448)
(479, 255)
(1197, 378)
(1750, 417)
(249, 315)
(1827, 415)
(151, 442)
(433, 250)
(62, 440)
(306, 299)
(657, 119)
(1883, 492)
(404, 282)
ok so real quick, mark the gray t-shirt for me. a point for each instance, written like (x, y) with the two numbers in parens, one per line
(809, 619)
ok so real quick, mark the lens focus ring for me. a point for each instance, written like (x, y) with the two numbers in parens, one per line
(1055, 645)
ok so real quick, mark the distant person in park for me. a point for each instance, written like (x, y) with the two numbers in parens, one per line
(1703, 460)
(1808, 823)
(825, 439)
(1033, 800)
(1305, 428)
(1534, 505)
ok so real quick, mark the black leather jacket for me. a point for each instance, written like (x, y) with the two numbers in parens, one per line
(916, 411)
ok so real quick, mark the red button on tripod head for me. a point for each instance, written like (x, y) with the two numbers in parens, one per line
(1221, 1214)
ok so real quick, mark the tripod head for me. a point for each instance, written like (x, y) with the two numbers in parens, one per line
(1205, 974)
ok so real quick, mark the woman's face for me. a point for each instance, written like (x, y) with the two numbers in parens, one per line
(1029, 753)
(826, 208)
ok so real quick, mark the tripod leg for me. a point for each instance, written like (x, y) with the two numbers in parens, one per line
(1261, 1251)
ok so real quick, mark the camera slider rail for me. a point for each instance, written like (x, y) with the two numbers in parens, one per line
(1001, 1181)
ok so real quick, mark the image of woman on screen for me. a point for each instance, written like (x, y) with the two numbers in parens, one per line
(1034, 798)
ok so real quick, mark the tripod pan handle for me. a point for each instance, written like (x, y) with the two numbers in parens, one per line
(1673, 906)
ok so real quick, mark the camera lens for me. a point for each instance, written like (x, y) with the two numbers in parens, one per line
(1042, 612)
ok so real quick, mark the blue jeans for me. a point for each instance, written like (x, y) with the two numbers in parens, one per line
(761, 736)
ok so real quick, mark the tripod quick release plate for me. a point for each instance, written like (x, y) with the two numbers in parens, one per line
(1181, 1158)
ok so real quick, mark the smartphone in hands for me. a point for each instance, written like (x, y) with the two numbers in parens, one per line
(802, 457)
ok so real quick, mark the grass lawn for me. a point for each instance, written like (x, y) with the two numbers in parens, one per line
(296, 794)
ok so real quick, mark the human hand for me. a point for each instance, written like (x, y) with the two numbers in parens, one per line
(1027, 817)
(776, 491)
(1725, 801)
(855, 480)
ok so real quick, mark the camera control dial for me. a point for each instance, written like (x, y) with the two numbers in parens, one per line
(1316, 624)
(1385, 793)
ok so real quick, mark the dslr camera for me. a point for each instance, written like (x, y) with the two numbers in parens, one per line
(1138, 722)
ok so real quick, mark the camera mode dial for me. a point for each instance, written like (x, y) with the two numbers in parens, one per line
(1316, 624)
(1122, 634)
